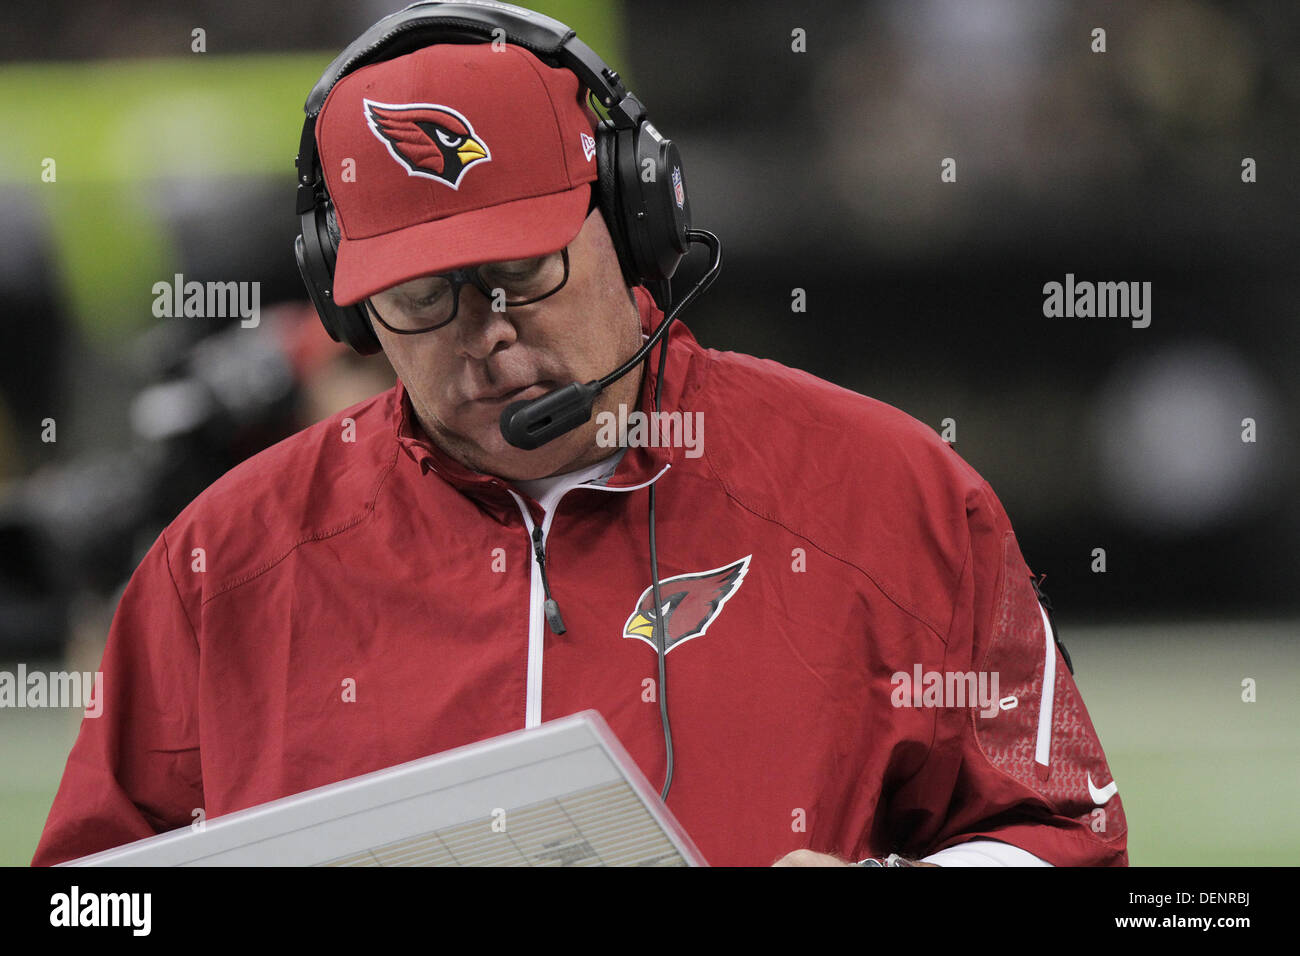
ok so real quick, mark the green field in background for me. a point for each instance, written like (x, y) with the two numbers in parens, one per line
(121, 132)
(1206, 779)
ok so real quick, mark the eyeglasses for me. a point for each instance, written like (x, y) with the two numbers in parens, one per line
(431, 302)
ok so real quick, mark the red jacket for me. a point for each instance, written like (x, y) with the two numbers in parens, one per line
(849, 544)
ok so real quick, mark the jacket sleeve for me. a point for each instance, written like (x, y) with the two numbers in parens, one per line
(1029, 771)
(134, 770)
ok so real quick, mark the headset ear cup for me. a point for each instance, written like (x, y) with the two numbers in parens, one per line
(354, 320)
(315, 251)
(655, 221)
(611, 206)
(656, 208)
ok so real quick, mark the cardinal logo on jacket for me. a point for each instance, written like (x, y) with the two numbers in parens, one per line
(691, 602)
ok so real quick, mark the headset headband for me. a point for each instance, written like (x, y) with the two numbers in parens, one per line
(466, 21)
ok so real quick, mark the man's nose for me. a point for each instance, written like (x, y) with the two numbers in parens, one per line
(481, 328)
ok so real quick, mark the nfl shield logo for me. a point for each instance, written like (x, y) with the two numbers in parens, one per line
(678, 189)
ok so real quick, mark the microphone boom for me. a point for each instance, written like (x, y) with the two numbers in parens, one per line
(531, 423)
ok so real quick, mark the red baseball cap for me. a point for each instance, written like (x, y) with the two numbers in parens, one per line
(453, 155)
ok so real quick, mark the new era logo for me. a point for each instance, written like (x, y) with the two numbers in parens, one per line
(588, 146)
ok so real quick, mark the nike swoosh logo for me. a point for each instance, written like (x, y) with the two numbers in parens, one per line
(1105, 793)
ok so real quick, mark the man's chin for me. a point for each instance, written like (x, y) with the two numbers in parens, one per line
(490, 454)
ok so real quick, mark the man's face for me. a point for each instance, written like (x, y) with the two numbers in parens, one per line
(462, 375)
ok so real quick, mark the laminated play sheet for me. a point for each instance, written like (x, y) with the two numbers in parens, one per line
(562, 794)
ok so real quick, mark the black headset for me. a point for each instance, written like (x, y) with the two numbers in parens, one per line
(640, 187)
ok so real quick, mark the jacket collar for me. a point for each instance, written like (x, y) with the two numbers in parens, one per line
(639, 467)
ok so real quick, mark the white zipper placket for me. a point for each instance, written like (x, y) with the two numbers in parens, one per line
(536, 616)
(537, 594)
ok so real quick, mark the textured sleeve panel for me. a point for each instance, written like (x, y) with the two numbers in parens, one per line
(1023, 765)
(1041, 734)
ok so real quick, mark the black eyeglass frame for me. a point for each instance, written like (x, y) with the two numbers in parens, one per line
(470, 276)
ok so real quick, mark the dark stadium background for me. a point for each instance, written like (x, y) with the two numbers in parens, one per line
(820, 171)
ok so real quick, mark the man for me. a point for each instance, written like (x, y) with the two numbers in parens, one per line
(399, 579)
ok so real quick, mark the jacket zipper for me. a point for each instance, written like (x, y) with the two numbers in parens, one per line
(540, 602)
(550, 607)
(539, 596)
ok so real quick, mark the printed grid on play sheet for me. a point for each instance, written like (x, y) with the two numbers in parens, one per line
(599, 826)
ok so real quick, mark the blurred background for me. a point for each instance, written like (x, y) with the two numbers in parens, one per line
(145, 139)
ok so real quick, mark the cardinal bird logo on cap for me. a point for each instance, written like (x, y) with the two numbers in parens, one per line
(430, 140)
(691, 602)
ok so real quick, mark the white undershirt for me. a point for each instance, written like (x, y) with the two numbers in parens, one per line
(983, 851)
(547, 491)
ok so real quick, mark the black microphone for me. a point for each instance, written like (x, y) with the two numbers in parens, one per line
(531, 423)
